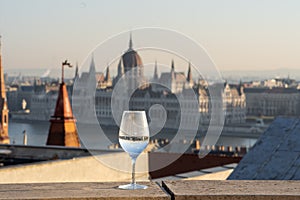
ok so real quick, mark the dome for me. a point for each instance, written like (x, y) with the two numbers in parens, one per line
(131, 58)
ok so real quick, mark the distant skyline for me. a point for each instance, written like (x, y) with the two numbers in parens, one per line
(238, 35)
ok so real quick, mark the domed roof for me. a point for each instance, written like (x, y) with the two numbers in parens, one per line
(131, 58)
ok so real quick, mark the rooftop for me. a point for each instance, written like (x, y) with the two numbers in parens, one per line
(276, 154)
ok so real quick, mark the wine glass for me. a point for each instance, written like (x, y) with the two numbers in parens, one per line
(133, 138)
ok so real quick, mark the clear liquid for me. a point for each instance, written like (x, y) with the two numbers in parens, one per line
(133, 145)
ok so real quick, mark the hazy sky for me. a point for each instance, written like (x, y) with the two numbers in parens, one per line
(244, 35)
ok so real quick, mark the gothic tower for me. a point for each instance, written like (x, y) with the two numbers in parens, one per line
(120, 72)
(108, 78)
(63, 130)
(155, 75)
(76, 76)
(172, 70)
(120, 69)
(4, 138)
(189, 77)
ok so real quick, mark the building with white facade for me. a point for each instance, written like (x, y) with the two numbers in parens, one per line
(184, 100)
(272, 101)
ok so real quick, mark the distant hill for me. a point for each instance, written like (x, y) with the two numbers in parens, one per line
(249, 75)
(54, 72)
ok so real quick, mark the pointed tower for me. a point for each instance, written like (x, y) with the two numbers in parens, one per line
(155, 75)
(4, 138)
(172, 70)
(120, 69)
(92, 69)
(189, 78)
(120, 72)
(76, 72)
(92, 81)
(130, 42)
(107, 78)
(63, 130)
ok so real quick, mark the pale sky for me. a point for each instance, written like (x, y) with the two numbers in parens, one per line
(238, 34)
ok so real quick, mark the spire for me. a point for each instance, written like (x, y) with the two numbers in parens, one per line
(172, 66)
(189, 77)
(130, 41)
(120, 72)
(4, 138)
(63, 130)
(155, 75)
(92, 66)
(76, 71)
(120, 68)
(63, 107)
(107, 77)
(172, 70)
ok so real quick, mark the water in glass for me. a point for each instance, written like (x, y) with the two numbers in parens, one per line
(133, 138)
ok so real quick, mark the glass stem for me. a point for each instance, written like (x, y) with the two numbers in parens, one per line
(133, 171)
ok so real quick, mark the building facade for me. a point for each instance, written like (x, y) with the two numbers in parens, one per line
(93, 96)
(272, 101)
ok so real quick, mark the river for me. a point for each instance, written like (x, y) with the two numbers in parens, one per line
(37, 135)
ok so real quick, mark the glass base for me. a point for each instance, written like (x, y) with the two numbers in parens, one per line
(133, 187)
